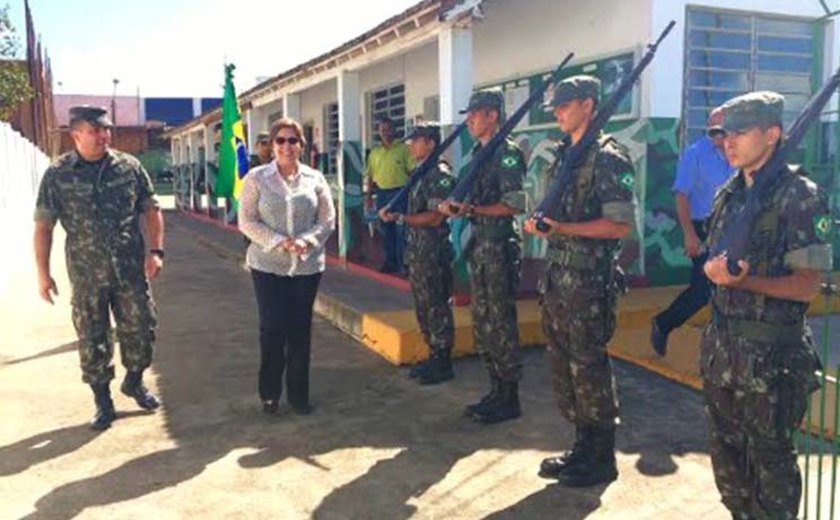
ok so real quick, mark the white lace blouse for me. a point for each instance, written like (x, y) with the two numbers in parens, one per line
(272, 209)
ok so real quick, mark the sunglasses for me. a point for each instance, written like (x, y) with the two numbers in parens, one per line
(280, 141)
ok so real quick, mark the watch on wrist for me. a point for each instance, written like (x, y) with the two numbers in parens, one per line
(401, 219)
(160, 253)
(470, 210)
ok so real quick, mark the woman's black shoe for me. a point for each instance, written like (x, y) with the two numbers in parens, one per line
(270, 407)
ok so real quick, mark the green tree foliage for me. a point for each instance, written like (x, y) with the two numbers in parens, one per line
(14, 83)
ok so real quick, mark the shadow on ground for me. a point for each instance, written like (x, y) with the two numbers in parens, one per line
(206, 360)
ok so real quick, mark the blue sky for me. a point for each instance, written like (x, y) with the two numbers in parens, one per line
(178, 47)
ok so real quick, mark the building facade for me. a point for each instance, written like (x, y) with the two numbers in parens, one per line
(424, 63)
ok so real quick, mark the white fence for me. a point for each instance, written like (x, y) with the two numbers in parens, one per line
(21, 168)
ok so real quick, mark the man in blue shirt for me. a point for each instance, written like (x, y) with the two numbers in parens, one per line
(701, 171)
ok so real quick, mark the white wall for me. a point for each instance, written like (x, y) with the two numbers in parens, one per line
(667, 69)
(518, 37)
(421, 77)
(416, 69)
(312, 103)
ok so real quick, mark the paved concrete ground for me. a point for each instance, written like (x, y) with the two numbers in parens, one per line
(377, 446)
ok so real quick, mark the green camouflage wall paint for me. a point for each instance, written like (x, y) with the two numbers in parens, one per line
(350, 199)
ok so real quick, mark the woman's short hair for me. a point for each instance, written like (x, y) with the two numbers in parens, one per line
(286, 122)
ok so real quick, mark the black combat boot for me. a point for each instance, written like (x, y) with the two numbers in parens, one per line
(553, 466)
(132, 386)
(490, 397)
(419, 369)
(105, 413)
(440, 370)
(503, 408)
(597, 466)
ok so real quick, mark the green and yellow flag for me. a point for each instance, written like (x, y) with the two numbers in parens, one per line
(233, 152)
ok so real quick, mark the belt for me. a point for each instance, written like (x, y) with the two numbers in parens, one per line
(762, 332)
(575, 259)
(490, 231)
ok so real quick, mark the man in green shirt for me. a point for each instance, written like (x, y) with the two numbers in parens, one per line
(388, 168)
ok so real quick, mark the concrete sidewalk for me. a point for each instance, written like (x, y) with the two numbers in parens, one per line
(377, 447)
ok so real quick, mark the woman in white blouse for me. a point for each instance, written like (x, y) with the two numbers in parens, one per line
(286, 210)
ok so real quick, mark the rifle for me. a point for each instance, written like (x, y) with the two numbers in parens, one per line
(735, 238)
(465, 183)
(400, 201)
(577, 152)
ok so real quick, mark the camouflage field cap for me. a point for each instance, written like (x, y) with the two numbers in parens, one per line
(755, 109)
(575, 87)
(97, 116)
(427, 129)
(262, 137)
(487, 98)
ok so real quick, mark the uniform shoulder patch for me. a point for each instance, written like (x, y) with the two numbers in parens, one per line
(510, 160)
(627, 180)
(822, 227)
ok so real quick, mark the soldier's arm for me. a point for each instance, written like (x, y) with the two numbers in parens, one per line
(47, 208)
(801, 285)
(807, 225)
(43, 247)
(425, 219)
(154, 227)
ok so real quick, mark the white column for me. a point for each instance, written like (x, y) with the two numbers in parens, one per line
(350, 159)
(455, 79)
(455, 72)
(257, 120)
(349, 107)
(292, 106)
(248, 118)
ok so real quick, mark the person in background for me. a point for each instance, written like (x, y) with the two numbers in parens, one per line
(286, 210)
(701, 171)
(429, 257)
(388, 167)
(262, 150)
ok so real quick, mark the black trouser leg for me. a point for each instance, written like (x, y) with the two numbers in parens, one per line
(302, 291)
(273, 309)
(694, 297)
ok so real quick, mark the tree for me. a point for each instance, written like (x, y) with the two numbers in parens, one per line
(14, 81)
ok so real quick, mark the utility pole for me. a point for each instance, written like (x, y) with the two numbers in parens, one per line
(114, 108)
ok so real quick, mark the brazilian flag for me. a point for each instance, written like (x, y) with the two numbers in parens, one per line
(233, 152)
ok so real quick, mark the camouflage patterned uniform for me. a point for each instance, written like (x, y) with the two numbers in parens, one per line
(429, 258)
(579, 288)
(757, 359)
(494, 256)
(98, 205)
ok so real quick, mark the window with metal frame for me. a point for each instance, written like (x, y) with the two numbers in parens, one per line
(730, 53)
(386, 102)
(331, 137)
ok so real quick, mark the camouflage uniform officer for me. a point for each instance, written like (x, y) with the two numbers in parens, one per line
(757, 358)
(263, 151)
(99, 195)
(494, 256)
(429, 256)
(580, 286)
